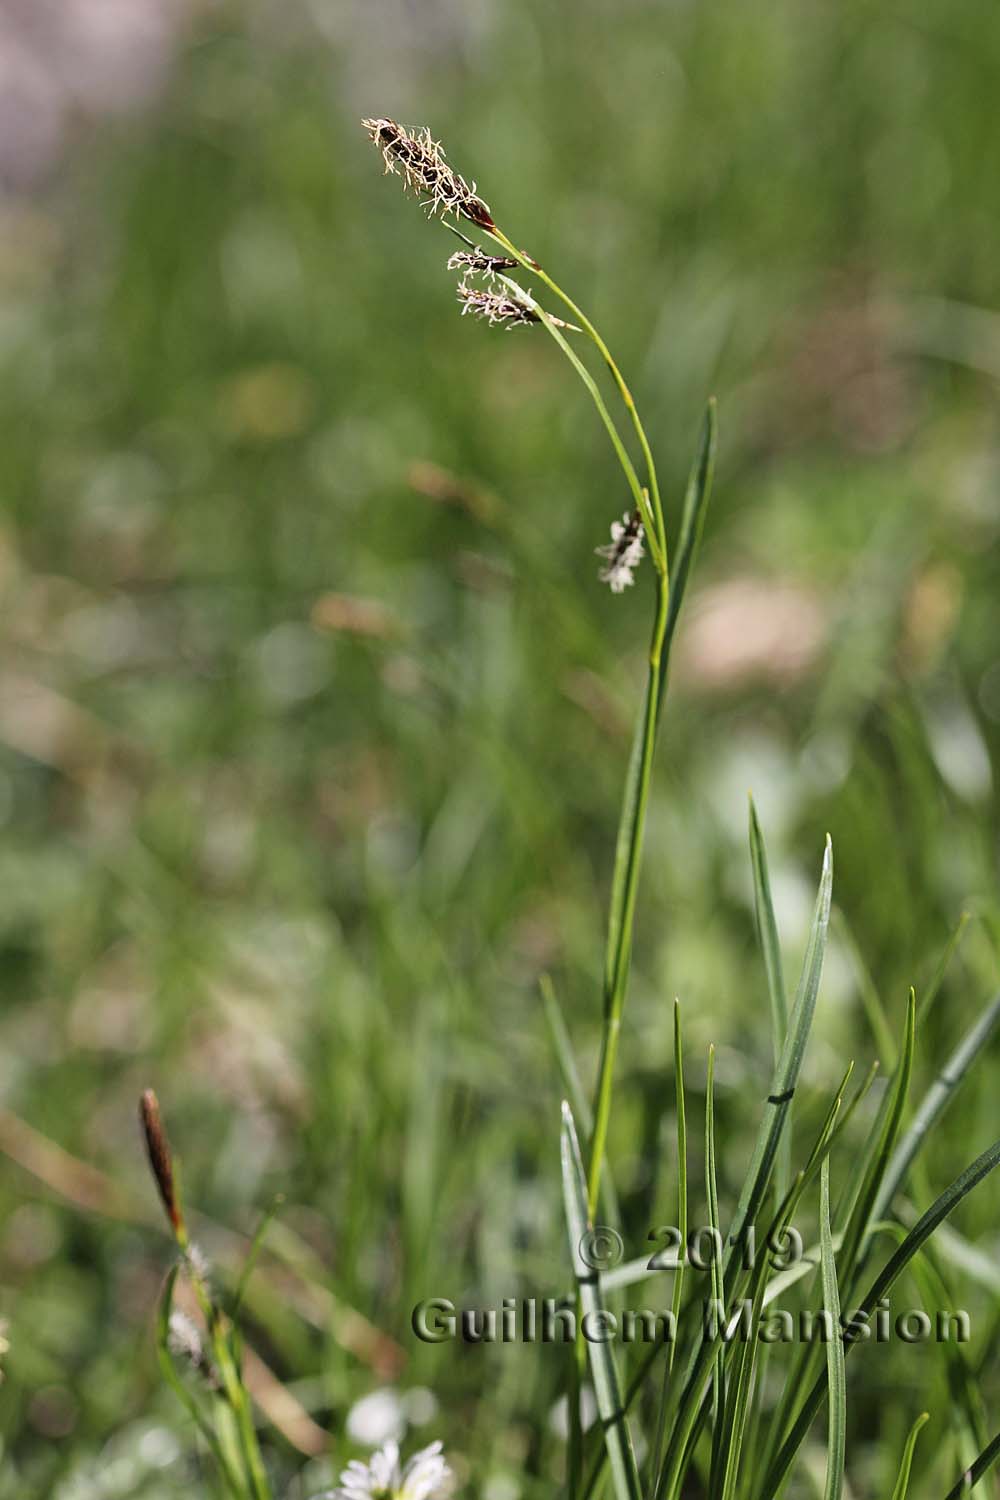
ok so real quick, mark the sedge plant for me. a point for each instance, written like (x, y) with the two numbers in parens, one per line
(718, 1416)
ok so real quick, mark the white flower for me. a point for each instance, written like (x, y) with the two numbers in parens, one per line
(623, 552)
(426, 1476)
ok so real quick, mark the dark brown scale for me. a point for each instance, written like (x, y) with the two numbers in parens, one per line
(475, 209)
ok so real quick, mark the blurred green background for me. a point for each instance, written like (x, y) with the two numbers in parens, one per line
(314, 716)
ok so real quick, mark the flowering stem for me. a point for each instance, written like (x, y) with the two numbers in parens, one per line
(235, 1431)
(628, 468)
(659, 529)
(628, 866)
(633, 815)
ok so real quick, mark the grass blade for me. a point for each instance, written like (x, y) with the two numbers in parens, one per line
(767, 937)
(570, 1079)
(682, 1180)
(624, 842)
(682, 1225)
(767, 933)
(718, 1288)
(975, 1472)
(933, 1104)
(563, 1049)
(836, 1382)
(858, 1227)
(937, 978)
(903, 1481)
(628, 848)
(966, 1396)
(894, 1267)
(860, 1220)
(783, 1086)
(786, 1074)
(230, 1476)
(253, 1253)
(696, 496)
(607, 1390)
(871, 1000)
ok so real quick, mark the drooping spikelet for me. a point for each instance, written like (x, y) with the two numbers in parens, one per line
(421, 162)
(479, 263)
(495, 307)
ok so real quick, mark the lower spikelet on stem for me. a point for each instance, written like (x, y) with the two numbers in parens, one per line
(495, 307)
(509, 308)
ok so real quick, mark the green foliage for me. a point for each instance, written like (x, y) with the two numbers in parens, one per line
(304, 864)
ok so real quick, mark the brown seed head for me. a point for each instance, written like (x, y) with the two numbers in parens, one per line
(495, 307)
(480, 263)
(421, 162)
(160, 1160)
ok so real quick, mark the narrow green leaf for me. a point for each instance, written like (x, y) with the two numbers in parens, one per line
(836, 1382)
(786, 1074)
(937, 979)
(967, 1398)
(783, 1218)
(975, 1472)
(624, 843)
(696, 496)
(267, 1218)
(607, 1389)
(167, 1368)
(934, 1102)
(563, 1049)
(858, 1227)
(767, 937)
(765, 1292)
(856, 1224)
(894, 1267)
(740, 1445)
(784, 1083)
(903, 1481)
(573, 1088)
(885, 1042)
(682, 1173)
(718, 1287)
(767, 934)
(682, 1226)
(960, 1253)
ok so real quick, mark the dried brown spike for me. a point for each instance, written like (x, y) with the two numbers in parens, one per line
(160, 1160)
(495, 307)
(424, 169)
(479, 262)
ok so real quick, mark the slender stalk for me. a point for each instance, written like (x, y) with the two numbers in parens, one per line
(616, 374)
(628, 468)
(651, 509)
(618, 968)
(234, 1390)
(619, 958)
